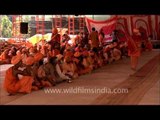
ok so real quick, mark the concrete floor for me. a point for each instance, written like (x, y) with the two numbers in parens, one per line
(108, 76)
(152, 97)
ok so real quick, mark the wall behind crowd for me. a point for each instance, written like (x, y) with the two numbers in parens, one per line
(150, 24)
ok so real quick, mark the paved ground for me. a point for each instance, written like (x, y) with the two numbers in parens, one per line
(108, 77)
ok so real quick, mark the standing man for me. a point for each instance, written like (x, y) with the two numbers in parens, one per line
(55, 39)
(134, 48)
(93, 37)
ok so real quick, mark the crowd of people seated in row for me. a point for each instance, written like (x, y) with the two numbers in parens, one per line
(48, 63)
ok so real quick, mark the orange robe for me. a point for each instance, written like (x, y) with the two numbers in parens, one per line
(135, 54)
(11, 41)
(86, 64)
(69, 54)
(28, 44)
(70, 68)
(94, 38)
(13, 85)
(3, 56)
(38, 56)
(134, 46)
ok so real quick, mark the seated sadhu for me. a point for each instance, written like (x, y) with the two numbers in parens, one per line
(69, 68)
(32, 51)
(90, 59)
(37, 83)
(12, 83)
(116, 54)
(123, 49)
(100, 59)
(78, 58)
(12, 52)
(24, 54)
(6, 56)
(87, 66)
(116, 51)
(46, 78)
(29, 72)
(55, 52)
(41, 75)
(38, 58)
(65, 38)
(94, 60)
(110, 53)
(3, 57)
(105, 53)
(44, 50)
(59, 70)
(68, 52)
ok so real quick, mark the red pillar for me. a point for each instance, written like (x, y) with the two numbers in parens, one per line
(156, 26)
(71, 24)
(150, 31)
(132, 24)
